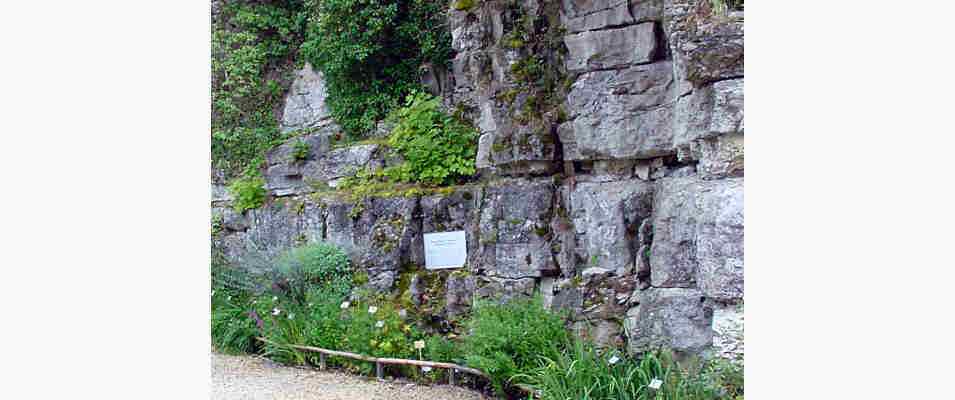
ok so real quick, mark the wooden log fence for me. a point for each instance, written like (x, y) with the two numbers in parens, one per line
(381, 361)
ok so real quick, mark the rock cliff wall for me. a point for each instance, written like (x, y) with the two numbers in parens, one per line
(611, 173)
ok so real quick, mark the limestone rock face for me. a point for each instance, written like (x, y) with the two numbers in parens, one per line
(343, 162)
(720, 240)
(620, 114)
(728, 332)
(607, 217)
(323, 166)
(588, 15)
(706, 47)
(305, 106)
(698, 236)
(497, 74)
(709, 112)
(610, 175)
(260, 234)
(514, 233)
(611, 48)
(673, 318)
(673, 258)
(379, 239)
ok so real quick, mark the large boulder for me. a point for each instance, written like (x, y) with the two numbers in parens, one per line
(673, 259)
(378, 236)
(698, 236)
(674, 318)
(625, 113)
(710, 111)
(515, 236)
(606, 217)
(612, 48)
(719, 244)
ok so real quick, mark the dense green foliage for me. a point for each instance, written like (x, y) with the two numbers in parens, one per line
(507, 340)
(248, 192)
(253, 44)
(436, 147)
(370, 52)
(583, 373)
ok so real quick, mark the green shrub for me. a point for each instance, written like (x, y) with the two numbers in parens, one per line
(507, 340)
(436, 147)
(316, 265)
(370, 52)
(323, 323)
(248, 192)
(252, 45)
(582, 372)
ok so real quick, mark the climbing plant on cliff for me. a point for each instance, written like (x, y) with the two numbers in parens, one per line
(370, 52)
(253, 45)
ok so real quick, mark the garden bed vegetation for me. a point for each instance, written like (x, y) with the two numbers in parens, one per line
(312, 297)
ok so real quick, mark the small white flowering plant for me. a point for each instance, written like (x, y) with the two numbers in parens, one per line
(375, 328)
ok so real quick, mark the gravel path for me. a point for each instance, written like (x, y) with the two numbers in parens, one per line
(246, 377)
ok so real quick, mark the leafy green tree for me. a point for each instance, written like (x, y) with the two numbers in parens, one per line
(370, 52)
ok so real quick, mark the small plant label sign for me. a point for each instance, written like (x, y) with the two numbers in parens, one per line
(445, 249)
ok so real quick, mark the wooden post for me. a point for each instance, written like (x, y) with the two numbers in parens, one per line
(321, 360)
(451, 376)
(378, 370)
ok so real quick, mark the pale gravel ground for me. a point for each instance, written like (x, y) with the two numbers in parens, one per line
(255, 378)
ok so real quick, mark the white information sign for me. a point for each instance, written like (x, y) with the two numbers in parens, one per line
(445, 250)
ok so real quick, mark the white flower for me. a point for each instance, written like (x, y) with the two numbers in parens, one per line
(274, 298)
(345, 305)
(426, 369)
(309, 304)
(655, 384)
(254, 301)
(276, 311)
(419, 344)
(229, 298)
(380, 324)
(372, 309)
(613, 360)
(291, 315)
